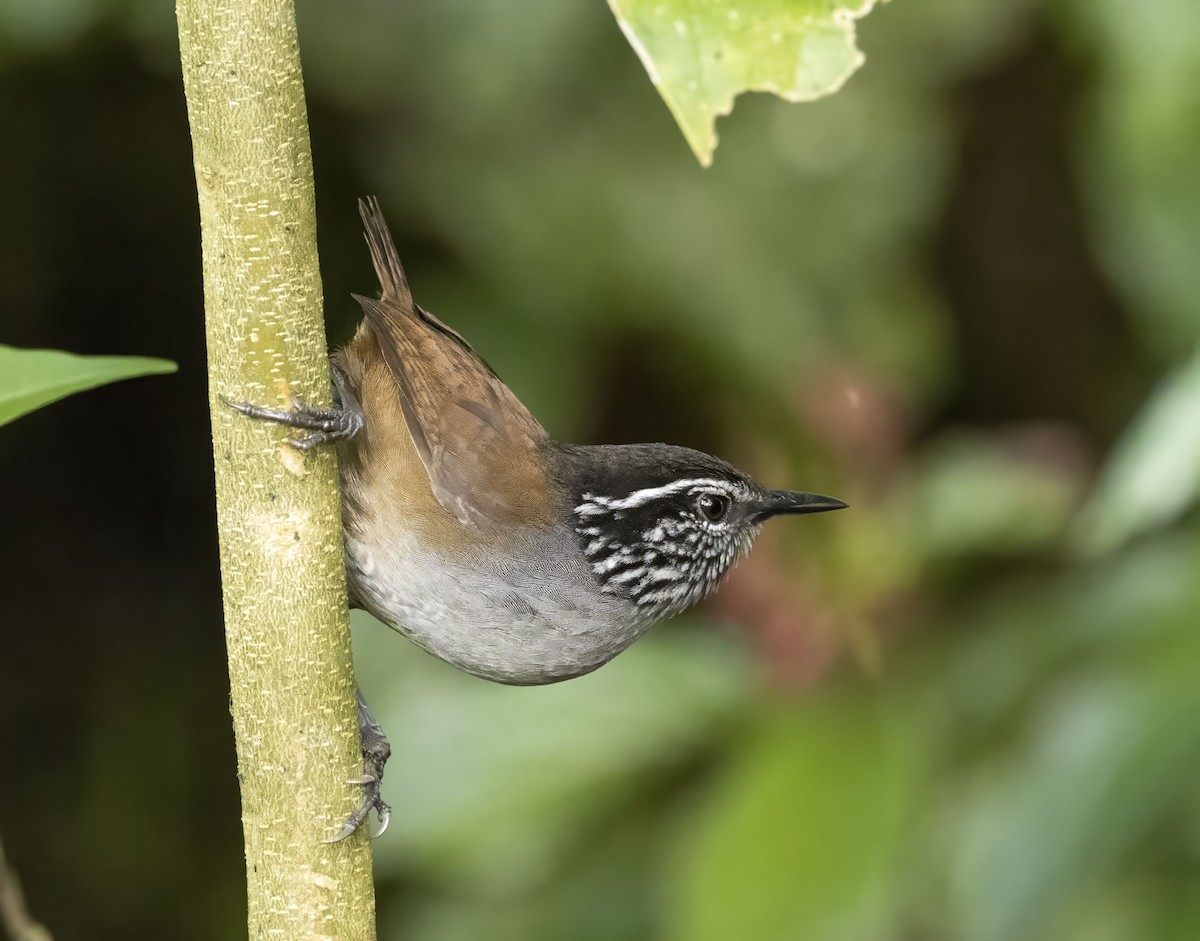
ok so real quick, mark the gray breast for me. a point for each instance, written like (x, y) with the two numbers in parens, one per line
(528, 617)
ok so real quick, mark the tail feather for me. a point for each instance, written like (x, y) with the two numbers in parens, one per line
(384, 256)
(479, 445)
(395, 307)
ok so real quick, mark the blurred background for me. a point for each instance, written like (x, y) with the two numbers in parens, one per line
(959, 294)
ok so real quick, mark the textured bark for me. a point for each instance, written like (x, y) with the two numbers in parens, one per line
(278, 515)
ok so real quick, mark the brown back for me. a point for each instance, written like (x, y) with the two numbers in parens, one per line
(480, 447)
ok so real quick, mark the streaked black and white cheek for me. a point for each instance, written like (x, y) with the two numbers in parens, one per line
(654, 548)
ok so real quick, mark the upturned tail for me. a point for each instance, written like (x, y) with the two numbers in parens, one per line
(384, 256)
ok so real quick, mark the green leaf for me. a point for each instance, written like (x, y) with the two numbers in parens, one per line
(1137, 146)
(990, 493)
(1074, 707)
(800, 839)
(1106, 761)
(701, 54)
(1154, 474)
(30, 379)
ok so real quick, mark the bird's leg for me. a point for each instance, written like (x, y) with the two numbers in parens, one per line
(375, 752)
(343, 420)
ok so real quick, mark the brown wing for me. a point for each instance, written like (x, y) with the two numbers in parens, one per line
(479, 444)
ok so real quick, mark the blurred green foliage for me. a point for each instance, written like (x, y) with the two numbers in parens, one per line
(957, 294)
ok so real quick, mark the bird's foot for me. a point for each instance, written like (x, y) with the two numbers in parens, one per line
(344, 419)
(375, 752)
(322, 425)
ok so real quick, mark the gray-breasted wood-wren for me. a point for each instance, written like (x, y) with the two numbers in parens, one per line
(475, 534)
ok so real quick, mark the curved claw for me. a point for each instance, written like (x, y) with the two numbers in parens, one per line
(385, 817)
(346, 831)
(308, 442)
(355, 820)
(371, 801)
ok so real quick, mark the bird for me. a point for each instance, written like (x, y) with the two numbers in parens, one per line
(514, 557)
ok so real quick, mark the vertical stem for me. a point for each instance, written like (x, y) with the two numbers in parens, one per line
(278, 515)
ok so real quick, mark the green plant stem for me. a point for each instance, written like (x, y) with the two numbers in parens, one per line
(278, 515)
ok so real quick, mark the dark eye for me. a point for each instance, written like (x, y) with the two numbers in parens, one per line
(712, 507)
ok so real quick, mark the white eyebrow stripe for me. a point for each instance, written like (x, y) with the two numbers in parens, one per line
(644, 496)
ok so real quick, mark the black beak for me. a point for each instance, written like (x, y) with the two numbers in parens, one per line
(778, 502)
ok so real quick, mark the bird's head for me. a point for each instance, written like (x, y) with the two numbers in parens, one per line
(661, 525)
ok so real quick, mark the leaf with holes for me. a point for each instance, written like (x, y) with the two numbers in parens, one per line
(701, 54)
(30, 379)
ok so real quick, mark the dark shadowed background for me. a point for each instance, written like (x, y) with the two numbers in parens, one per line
(960, 295)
